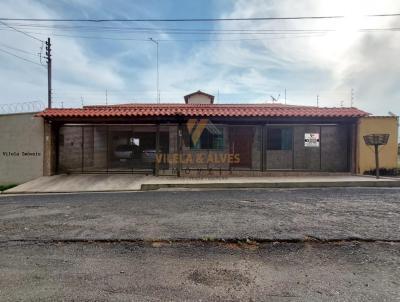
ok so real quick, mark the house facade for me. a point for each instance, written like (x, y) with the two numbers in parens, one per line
(200, 138)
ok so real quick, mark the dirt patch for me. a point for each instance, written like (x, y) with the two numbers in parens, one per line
(160, 243)
(218, 277)
(241, 245)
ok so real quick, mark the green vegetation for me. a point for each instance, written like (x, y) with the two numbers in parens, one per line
(384, 172)
(6, 187)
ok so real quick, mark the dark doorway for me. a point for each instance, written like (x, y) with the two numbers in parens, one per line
(241, 139)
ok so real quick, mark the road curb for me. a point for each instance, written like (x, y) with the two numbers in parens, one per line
(5, 193)
(250, 185)
(322, 184)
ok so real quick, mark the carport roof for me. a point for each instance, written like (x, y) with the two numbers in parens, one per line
(201, 110)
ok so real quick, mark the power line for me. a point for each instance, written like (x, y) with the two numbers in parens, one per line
(279, 34)
(128, 29)
(185, 32)
(193, 19)
(14, 55)
(210, 33)
(297, 35)
(125, 29)
(22, 32)
(157, 29)
(190, 40)
(16, 49)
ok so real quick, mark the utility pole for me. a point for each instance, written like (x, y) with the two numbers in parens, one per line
(317, 100)
(48, 57)
(158, 76)
(106, 97)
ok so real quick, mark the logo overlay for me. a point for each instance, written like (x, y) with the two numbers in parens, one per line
(198, 155)
(195, 128)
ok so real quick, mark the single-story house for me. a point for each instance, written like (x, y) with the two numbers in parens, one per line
(201, 138)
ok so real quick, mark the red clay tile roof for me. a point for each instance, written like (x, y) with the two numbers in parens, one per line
(205, 110)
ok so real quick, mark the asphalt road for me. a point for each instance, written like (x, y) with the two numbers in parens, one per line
(199, 272)
(271, 214)
(39, 262)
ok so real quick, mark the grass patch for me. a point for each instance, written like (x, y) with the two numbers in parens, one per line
(6, 187)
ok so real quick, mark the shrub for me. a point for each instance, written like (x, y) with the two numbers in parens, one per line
(6, 187)
(384, 172)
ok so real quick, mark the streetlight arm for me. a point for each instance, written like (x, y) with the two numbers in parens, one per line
(158, 76)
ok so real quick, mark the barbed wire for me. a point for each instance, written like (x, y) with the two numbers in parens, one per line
(22, 107)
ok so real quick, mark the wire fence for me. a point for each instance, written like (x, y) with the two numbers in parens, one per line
(22, 107)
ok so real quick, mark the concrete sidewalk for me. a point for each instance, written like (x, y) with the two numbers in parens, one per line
(270, 182)
(131, 182)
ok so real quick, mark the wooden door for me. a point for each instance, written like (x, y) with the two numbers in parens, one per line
(241, 140)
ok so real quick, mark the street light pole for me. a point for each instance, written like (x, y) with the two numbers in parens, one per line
(158, 76)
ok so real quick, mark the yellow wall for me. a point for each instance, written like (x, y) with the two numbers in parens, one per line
(387, 153)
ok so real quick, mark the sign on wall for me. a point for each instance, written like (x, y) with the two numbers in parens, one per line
(311, 140)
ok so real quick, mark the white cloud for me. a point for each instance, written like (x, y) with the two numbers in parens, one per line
(73, 67)
(328, 65)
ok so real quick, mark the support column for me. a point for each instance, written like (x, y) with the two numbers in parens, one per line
(157, 163)
(50, 147)
(320, 149)
(179, 165)
(262, 129)
(353, 148)
(377, 160)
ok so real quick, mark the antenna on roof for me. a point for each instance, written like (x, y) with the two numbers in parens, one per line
(106, 97)
(275, 100)
(352, 97)
(317, 100)
(82, 100)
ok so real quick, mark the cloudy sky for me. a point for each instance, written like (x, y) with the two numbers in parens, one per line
(238, 61)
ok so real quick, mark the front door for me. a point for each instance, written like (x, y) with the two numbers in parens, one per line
(241, 139)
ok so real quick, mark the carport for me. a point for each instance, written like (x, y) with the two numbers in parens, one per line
(202, 139)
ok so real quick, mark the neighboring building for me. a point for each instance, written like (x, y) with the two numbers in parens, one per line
(195, 138)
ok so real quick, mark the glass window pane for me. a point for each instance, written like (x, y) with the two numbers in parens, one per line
(210, 138)
(279, 138)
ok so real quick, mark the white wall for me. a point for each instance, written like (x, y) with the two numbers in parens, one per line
(21, 148)
(199, 99)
